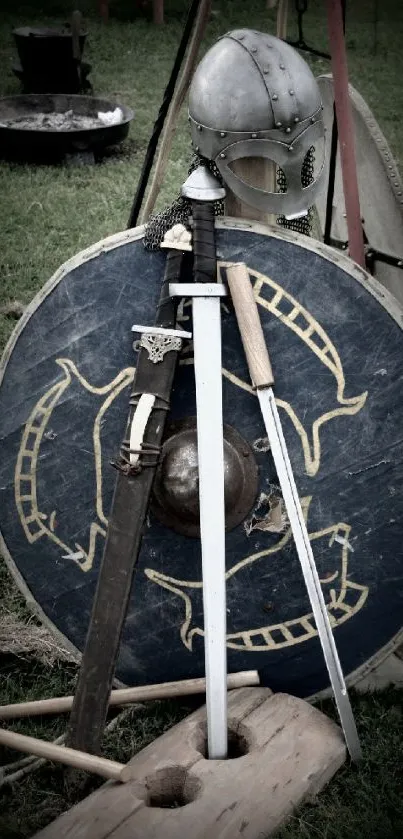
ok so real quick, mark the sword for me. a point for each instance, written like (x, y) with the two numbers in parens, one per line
(203, 189)
(262, 378)
(149, 406)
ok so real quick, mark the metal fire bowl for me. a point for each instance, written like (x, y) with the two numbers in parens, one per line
(175, 500)
(28, 142)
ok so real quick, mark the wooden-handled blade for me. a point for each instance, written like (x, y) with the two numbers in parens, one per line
(260, 371)
(249, 325)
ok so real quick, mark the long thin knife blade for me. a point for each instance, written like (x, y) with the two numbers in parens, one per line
(262, 377)
(300, 533)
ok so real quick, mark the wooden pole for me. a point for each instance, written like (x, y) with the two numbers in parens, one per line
(174, 109)
(158, 12)
(109, 769)
(124, 696)
(282, 15)
(345, 131)
(104, 10)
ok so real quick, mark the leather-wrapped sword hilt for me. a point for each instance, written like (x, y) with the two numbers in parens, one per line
(204, 248)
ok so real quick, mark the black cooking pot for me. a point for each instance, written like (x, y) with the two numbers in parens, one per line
(47, 64)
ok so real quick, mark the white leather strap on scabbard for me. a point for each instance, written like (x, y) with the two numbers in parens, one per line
(139, 425)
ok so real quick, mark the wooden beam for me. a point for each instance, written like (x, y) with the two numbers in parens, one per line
(287, 752)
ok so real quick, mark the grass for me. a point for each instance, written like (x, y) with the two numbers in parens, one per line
(49, 213)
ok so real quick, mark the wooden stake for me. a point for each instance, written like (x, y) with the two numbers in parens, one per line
(282, 15)
(174, 109)
(158, 12)
(61, 754)
(124, 696)
(346, 131)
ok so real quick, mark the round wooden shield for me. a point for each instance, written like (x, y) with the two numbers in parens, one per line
(335, 339)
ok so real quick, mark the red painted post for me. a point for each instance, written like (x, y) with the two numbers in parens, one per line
(345, 131)
(158, 12)
(104, 10)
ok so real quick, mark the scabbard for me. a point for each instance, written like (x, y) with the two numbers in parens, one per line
(123, 540)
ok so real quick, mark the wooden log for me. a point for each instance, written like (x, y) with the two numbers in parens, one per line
(124, 696)
(61, 754)
(286, 751)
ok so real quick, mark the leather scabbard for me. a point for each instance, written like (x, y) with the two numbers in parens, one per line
(123, 540)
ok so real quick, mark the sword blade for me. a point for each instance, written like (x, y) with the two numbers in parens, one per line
(300, 533)
(210, 446)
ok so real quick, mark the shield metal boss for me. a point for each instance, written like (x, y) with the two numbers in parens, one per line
(335, 340)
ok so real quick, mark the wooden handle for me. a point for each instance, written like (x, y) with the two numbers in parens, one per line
(166, 690)
(249, 325)
(61, 754)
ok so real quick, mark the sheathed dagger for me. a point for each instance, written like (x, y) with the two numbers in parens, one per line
(262, 378)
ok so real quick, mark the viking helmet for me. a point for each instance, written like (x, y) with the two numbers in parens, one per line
(252, 95)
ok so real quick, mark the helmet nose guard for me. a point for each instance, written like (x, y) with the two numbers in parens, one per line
(254, 96)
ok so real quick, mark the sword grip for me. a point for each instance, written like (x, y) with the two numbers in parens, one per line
(249, 324)
(204, 251)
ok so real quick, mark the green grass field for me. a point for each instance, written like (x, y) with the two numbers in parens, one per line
(48, 214)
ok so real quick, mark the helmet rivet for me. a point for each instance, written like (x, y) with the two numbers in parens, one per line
(274, 97)
(399, 193)
(222, 155)
(266, 70)
(296, 119)
(197, 149)
(223, 133)
(287, 130)
(199, 128)
(291, 92)
(241, 37)
(278, 124)
(253, 136)
(254, 49)
(312, 119)
(290, 148)
(282, 66)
